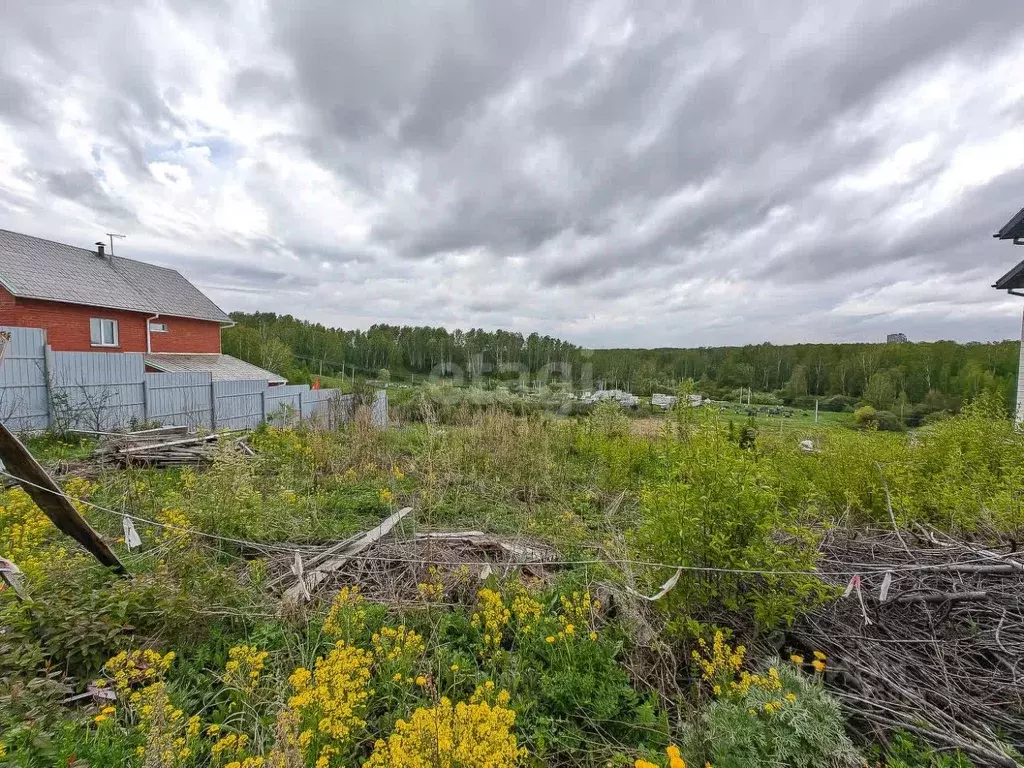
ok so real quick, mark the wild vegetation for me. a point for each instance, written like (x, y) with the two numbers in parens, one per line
(904, 378)
(501, 667)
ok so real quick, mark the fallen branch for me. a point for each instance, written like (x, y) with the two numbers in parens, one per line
(311, 579)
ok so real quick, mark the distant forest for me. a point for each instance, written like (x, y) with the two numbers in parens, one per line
(942, 374)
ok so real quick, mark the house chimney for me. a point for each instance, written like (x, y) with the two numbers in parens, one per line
(99, 250)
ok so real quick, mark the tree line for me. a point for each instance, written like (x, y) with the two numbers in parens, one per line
(299, 349)
(883, 374)
(944, 373)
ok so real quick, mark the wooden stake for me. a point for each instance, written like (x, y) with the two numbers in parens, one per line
(50, 498)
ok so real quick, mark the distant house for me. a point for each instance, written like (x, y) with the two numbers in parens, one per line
(1012, 282)
(92, 301)
(896, 338)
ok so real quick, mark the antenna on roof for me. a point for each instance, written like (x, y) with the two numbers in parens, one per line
(112, 235)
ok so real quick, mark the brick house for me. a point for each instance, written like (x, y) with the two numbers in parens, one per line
(91, 301)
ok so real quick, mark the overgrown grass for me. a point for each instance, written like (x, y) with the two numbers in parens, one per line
(691, 493)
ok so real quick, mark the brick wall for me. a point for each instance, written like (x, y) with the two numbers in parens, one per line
(67, 327)
(186, 335)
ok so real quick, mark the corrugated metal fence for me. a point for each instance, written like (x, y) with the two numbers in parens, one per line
(96, 390)
(23, 401)
(182, 399)
(103, 391)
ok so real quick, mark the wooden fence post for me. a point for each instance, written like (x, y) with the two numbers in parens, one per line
(213, 405)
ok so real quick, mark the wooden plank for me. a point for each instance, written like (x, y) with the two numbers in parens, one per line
(483, 540)
(312, 579)
(50, 498)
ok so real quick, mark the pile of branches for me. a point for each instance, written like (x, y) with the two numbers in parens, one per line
(929, 638)
(166, 447)
(460, 561)
(396, 570)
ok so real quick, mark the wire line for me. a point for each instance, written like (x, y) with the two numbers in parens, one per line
(605, 561)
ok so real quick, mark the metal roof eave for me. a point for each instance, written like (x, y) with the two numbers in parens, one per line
(1014, 229)
(227, 321)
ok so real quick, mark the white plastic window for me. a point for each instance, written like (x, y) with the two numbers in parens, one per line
(103, 332)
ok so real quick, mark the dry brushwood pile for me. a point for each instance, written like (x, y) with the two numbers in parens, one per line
(166, 447)
(930, 638)
(399, 570)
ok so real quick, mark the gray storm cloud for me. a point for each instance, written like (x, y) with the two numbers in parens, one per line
(610, 172)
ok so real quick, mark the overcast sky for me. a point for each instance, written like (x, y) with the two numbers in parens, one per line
(614, 173)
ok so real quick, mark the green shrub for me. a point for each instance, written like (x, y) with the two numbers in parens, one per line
(838, 404)
(798, 725)
(907, 751)
(608, 420)
(866, 417)
(718, 508)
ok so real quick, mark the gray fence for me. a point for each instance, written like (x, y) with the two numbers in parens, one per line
(182, 399)
(103, 391)
(238, 404)
(24, 404)
(284, 404)
(96, 390)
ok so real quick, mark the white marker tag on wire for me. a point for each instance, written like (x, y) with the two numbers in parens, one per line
(883, 593)
(131, 536)
(665, 588)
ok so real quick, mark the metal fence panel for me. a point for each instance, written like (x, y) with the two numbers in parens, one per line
(327, 408)
(238, 404)
(106, 391)
(180, 399)
(316, 401)
(98, 390)
(24, 405)
(284, 404)
(379, 410)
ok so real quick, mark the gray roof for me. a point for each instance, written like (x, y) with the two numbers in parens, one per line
(1014, 228)
(221, 367)
(33, 268)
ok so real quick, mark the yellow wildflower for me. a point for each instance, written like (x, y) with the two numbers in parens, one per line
(244, 667)
(397, 644)
(491, 617)
(336, 692)
(820, 656)
(796, 658)
(473, 734)
(347, 617)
